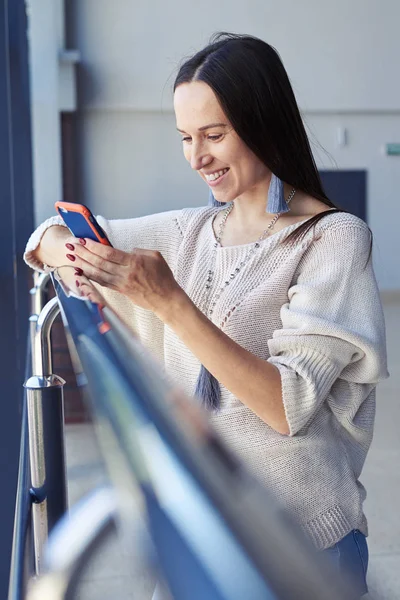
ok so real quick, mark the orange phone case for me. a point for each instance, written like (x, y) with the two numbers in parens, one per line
(82, 210)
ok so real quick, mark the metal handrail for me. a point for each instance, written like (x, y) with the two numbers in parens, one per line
(41, 493)
(154, 445)
(73, 541)
(40, 327)
(46, 428)
(22, 553)
(47, 460)
(39, 292)
(171, 459)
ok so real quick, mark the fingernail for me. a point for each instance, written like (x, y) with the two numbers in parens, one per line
(70, 246)
(70, 256)
(77, 283)
(78, 271)
(82, 241)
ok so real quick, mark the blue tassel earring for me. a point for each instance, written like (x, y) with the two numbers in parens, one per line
(212, 201)
(207, 388)
(276, 200)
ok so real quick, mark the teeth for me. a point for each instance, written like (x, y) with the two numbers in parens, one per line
(216, 175)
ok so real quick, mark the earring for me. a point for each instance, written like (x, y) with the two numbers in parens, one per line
(212, 201)
(208, 389)
(276, 200)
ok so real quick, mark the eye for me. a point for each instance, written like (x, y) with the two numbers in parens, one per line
(214, 138)
(186, 139)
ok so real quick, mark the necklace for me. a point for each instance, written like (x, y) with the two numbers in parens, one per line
(205, 307)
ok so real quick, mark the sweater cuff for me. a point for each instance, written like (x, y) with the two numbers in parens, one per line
(305, 385)
(34, 241)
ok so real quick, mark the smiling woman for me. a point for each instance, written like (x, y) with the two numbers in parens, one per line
(262, 305)
(214, 149)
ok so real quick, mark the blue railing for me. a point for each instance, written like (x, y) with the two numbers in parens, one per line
(22, 557)
(209, 529)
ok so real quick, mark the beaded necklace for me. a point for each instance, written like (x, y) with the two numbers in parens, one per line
(204, 305)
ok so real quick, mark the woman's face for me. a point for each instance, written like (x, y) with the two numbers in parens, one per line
(212, 147)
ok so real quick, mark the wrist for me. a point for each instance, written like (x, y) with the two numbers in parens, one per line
(51, 251)
(173, 312)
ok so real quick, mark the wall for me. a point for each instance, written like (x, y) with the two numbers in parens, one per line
(45, 41)
(341, 57)
(367, 135)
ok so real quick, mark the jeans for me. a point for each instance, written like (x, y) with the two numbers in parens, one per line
(350, 558)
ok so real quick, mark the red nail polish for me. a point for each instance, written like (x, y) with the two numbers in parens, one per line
(70, 256)
(70, 246)
(77, 283)
(82, 241)
(78, 271)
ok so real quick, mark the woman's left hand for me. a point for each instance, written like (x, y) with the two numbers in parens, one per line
(142, 275)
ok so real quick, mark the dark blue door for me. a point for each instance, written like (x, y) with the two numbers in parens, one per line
(348, 190)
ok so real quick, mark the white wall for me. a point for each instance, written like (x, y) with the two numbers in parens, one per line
(45, 40)
(367, 135)
(143, 168)
(341, 57)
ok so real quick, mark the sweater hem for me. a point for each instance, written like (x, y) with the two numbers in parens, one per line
(330, 527)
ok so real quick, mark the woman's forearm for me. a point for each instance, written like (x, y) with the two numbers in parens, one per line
(254, 381)
(51, 250)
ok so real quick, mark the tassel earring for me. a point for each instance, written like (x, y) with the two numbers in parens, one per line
(212, 201)
(276, 200)
(207, 388)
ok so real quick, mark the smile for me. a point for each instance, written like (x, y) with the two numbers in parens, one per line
(212, 178)
(216, 175)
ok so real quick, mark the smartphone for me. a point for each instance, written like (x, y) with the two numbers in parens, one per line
(81, 223)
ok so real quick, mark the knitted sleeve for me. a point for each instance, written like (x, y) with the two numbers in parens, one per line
(154, 232)
(333, 325)
(34, 241)
(160, 232)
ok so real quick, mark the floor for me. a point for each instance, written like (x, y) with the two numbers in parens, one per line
(381, 475)
(112, 574)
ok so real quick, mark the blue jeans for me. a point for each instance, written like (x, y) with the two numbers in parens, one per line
(350, 558)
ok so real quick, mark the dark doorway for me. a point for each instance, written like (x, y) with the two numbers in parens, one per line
(348, 190)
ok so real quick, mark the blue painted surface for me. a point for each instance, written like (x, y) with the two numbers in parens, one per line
(16, 222)
(347, 189)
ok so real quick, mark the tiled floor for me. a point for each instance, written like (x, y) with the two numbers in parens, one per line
(110, 576)
(381, 475)
(113, 572)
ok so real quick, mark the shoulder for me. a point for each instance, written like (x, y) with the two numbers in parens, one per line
(344, 230)
(191, 218)
(340, 221)
(338, 240)
(333, 221)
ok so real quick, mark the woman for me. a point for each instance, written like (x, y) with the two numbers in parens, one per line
(264, 303)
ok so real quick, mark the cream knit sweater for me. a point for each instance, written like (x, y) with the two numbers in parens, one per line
(313, 310)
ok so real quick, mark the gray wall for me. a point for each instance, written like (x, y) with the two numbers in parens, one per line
(342, 59)
(340, 55)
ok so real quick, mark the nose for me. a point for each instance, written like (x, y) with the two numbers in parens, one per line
(198, 157)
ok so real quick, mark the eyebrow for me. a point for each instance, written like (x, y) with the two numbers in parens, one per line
(206, 127)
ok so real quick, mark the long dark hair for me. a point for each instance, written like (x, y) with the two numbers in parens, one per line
(254, 91)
